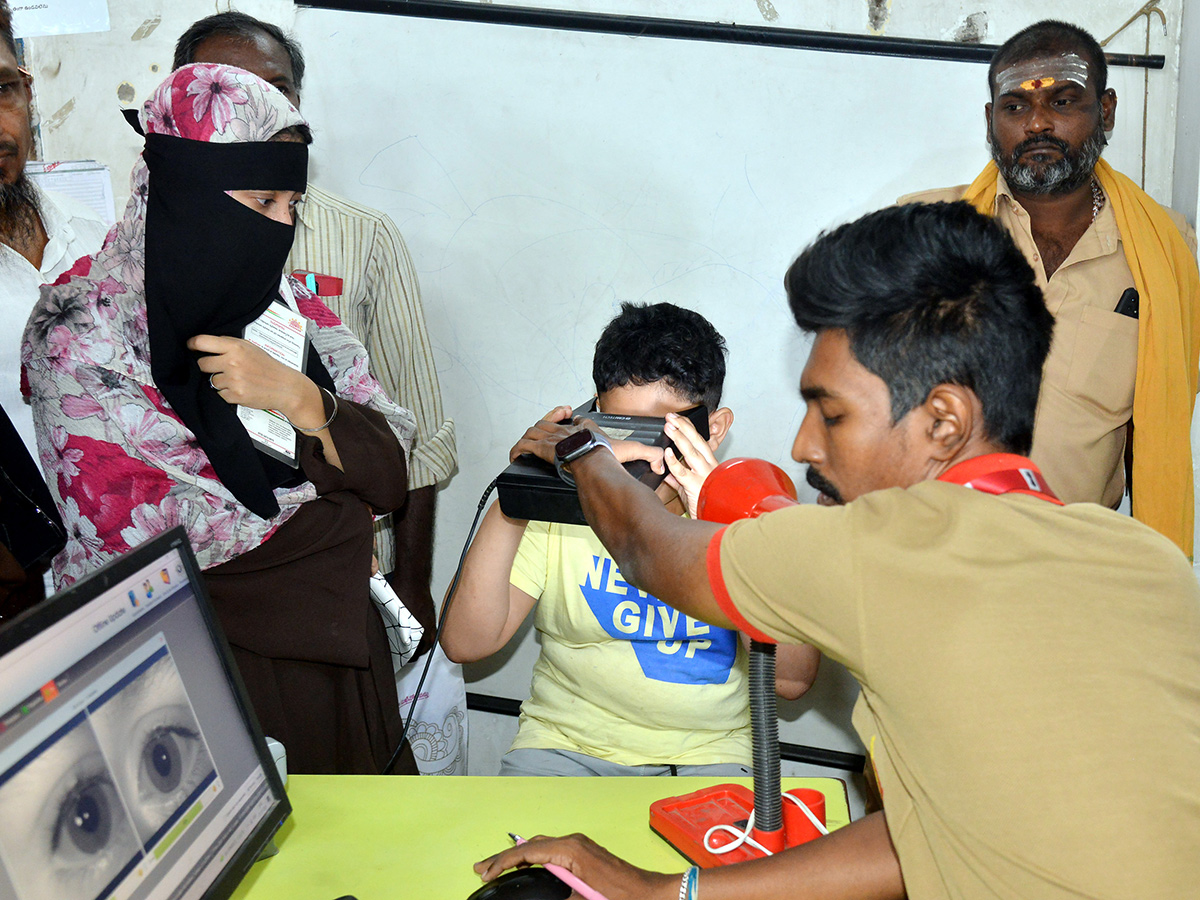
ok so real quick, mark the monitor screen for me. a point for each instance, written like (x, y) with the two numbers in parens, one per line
(131, 764)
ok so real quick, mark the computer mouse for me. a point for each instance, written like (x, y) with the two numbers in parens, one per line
(532, 883)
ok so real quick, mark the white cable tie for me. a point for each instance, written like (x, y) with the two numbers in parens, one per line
(743, 837)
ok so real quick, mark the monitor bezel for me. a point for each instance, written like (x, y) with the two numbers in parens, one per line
(37, 619)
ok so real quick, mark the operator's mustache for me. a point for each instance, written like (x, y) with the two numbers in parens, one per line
(818, 481)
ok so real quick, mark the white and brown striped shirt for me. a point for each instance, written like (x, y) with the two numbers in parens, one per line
(381, 303)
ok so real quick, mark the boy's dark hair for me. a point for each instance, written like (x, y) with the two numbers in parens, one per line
(662, 342)
(6, 28)
(932, 294)
(236, 24)
(1051, 38)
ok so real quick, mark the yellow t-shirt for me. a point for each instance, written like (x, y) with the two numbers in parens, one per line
(622, 676)
(1030, 681)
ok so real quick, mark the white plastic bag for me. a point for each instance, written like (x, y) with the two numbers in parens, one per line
(438, 734)
(403, 630)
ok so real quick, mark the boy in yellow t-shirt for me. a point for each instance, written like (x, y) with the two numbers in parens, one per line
(624, 684)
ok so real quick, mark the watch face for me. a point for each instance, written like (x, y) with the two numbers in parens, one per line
(566, 449)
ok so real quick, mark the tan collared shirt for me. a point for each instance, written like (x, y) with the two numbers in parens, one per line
(1087, 385)
(381, 303)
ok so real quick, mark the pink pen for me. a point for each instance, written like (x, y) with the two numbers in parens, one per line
(571, 881)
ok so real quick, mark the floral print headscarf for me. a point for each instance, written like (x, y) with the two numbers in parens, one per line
(202, 102)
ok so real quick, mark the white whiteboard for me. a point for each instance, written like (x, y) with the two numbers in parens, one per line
(542, 177)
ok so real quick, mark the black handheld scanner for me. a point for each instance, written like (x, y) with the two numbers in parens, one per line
(531, 489)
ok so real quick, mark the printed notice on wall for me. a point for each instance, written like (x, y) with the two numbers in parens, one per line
(37, 18)
(84, 179)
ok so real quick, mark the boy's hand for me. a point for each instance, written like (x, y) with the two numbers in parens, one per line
(541, 439)
(687, 475)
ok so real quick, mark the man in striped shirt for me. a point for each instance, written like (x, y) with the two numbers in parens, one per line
(378, 299)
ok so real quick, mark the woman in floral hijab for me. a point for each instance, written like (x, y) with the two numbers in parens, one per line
(135, 369)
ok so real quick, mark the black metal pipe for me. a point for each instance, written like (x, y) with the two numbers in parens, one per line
(801, 753)
(688, 30)
(502, 706)
(818, 756)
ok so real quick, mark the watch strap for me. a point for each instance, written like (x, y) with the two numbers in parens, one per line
(598, 439)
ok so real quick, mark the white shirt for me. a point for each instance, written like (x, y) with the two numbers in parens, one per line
(74, 230)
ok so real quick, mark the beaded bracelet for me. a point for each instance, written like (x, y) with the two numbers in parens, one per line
(328, 422)
(689, 887)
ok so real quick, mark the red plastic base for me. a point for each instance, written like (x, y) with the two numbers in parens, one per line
(683, 821)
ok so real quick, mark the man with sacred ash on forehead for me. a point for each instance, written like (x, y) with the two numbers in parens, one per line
(1118, 272)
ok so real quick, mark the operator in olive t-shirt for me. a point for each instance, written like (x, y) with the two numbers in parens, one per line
(1030, 671)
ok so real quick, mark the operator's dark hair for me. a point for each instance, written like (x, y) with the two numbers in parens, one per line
(932, 294)
(6, 28)
(661, 342)
(239, 25)
(1051, 38)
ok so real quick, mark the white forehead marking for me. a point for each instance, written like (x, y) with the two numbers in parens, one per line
(1068, 67)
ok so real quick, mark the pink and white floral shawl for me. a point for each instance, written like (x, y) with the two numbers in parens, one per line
(122, 466)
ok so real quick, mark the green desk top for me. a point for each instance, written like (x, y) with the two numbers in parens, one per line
(404, 838)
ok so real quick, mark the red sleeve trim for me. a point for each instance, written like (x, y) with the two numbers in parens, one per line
(717, 582)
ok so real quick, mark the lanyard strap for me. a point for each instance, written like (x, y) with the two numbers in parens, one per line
(1001, 473)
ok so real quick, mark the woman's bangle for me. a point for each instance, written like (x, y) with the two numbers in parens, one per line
(328, 422)
(689, 887)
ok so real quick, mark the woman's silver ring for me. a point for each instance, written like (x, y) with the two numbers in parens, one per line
(210, 382)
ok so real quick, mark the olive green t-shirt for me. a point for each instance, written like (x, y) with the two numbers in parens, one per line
(1030, 681)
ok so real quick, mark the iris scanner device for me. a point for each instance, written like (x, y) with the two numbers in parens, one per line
(531, 489)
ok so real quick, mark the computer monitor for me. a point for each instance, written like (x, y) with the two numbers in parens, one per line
(131, 764)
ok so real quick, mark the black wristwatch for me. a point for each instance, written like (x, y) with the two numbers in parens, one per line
(574, 446)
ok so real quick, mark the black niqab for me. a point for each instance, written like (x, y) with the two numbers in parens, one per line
(212, 267)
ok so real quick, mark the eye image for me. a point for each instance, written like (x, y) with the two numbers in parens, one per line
(64, 832)
(154, 747)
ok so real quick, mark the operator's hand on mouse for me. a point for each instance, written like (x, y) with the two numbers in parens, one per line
(595, 866)
(688, 469)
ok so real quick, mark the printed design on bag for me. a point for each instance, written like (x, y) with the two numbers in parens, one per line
(441, 749)
(669, 646)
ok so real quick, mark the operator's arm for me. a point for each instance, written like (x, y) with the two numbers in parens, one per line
(486, 610)
(662, 553)
(857, 862)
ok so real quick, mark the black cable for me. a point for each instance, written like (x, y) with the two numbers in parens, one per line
(438, 632)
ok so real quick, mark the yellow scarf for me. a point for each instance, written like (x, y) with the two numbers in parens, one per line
(1164, 272)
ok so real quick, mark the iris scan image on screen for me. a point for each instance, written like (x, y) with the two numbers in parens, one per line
(60, 814)
(158, 757)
